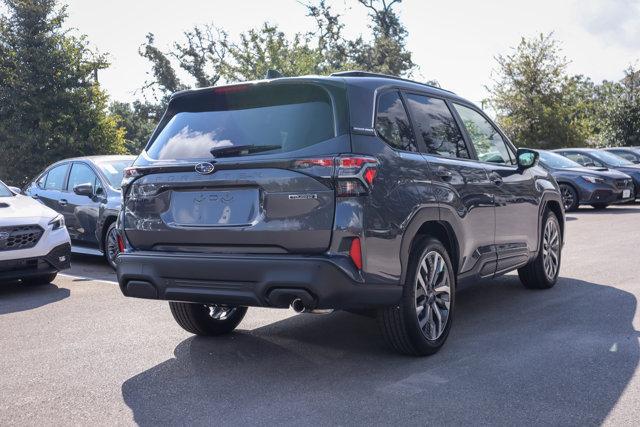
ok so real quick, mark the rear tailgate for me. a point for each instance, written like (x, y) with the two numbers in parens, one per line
(262, 210)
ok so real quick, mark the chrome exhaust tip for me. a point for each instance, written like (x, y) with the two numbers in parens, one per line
(298, 306)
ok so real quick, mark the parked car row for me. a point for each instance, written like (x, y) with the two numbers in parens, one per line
(86, 192)
(587, 184)
(356, 191)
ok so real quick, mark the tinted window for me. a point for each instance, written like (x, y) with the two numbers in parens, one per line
(583, 160)
(610, 159)
(626, 155)
(485, 138)
(437, 127)
(80, 174)
(4, 191)
(556, 160)
(392, 122)
(55, 178)
(113, 170)
(42, 181)
(286, 117)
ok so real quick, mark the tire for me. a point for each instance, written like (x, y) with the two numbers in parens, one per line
(110, 247)
(40, 280)
(197, 318)
(569, 197)
(534, 275)
(599, 206)
(400, 324)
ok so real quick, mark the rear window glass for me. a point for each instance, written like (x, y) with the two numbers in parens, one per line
(284, 117)
(55, 178)
(114, 169)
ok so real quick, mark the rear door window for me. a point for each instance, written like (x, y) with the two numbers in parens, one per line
(436, 126)
(271, 118)
(56, 177)
(392, 122)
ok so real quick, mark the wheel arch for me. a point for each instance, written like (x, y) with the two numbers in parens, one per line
(429, 224)
(552, 202)
(105, 227)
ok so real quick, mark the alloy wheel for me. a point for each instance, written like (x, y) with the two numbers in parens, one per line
(113, 250)
(220, 312)
(433, 295)
(567, 196)
(551, 249)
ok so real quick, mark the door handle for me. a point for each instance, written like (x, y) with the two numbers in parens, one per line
(444, 173)
(496, 179)
(63, 202)
(35, 196)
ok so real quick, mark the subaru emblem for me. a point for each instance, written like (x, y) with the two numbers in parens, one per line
(204, 168)
(4, 235)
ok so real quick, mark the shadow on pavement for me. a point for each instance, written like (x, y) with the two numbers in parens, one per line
(16, 297)
(561, 356)
(93, 267)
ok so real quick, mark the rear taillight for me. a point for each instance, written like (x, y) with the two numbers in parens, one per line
(355, 175)
(129, 174)
(352, 175)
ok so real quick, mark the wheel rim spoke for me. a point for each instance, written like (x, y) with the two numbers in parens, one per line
(432, 295)
(551, 249)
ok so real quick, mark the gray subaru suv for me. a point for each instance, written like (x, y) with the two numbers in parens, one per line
(355, 191)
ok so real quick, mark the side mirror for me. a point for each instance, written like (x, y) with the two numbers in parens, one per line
(526, 158)
(16, 190)
(83, 189)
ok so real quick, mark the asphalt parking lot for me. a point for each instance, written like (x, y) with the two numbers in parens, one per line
(78, 352)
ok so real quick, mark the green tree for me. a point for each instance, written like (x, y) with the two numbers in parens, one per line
(536, 103)
(387, 53)
(209, 56)
(139, 119)
(619, 110)
(51, 105)
(260, 50)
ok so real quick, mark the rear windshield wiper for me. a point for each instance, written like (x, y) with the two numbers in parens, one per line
(241, 150)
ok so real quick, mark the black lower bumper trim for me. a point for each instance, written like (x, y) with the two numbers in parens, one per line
(249, 280)
(59, 258)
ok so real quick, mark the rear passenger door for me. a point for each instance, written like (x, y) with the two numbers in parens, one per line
(461, 183)
(514, 190)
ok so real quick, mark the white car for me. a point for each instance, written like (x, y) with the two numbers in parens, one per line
(34, 242)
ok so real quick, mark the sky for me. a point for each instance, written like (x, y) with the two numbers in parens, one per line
(454, 42)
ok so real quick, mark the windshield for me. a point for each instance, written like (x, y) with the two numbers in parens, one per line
(4, 191)
(267, 118)
(610, 159)
(556, 161)
(113, 170)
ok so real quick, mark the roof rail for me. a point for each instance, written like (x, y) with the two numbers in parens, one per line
(385, 76)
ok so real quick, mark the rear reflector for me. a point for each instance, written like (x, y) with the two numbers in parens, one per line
(120, 242)
(355, 252)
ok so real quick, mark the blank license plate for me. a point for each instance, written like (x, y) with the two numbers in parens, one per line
(626, 193)
(214, 208)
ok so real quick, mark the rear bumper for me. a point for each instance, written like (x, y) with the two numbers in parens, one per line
(250, 280)
(59, 258)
